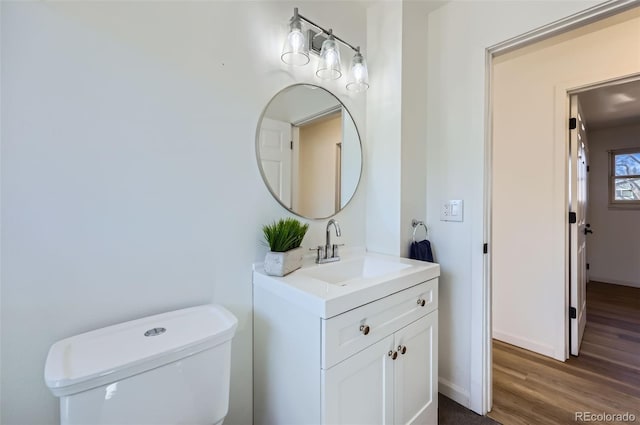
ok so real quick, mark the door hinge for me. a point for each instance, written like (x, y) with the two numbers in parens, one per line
(291, 145)
(572, 217)
(573, 313)
(573, 123)
(485, 248)
(587, 168)
(587, 266)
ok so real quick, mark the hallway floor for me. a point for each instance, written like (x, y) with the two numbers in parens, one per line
(605, 379)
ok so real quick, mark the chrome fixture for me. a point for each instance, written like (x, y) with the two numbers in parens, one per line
(338, 232)
(359, 75)
(329, 252)
(323, 43)
(415, 224)
(330, 67)
(295, 50)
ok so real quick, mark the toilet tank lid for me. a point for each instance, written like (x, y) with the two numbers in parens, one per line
(116, 352)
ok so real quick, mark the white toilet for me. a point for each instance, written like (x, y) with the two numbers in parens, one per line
(172, 368)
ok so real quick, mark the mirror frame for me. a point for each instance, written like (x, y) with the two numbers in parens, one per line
(259, 162)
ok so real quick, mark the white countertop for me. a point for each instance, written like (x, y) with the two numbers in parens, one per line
(329, 299)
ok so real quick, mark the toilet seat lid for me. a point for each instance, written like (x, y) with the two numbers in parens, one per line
(109, 354)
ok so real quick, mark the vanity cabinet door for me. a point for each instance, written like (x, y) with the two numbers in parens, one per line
(416, 372)
(359, 390)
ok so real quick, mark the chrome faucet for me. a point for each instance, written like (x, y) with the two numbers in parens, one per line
(327, 245)
(328, 253)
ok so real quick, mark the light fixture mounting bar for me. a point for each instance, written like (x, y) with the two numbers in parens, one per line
(326, 31)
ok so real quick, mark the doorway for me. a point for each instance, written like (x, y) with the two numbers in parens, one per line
(604, 120)
(530, 265)
(613, 117)
(606, 193)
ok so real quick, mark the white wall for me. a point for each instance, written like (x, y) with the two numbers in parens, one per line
(384, 109)
(613, 250)
(396, 123)
(414, 119)
(458, 35)
(129, 178)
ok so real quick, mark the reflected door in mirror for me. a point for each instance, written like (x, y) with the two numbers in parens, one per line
(276, 157)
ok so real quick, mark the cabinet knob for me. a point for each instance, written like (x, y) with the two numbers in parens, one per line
(393, 355)
(421, 302)
(402, 349)
(365, 329)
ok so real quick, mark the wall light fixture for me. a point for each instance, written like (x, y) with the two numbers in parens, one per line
(323, 43)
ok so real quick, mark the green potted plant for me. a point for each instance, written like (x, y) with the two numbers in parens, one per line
(284, 238)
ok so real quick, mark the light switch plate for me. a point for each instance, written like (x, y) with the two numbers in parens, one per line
(452, 210)
(456, 207)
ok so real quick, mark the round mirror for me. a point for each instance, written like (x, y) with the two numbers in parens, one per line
(309, 151)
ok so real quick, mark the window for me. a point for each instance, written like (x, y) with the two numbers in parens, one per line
(624, 177)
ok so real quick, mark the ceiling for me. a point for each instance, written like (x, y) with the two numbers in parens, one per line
(612, 105)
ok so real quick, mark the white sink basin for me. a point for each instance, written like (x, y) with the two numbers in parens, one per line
(340, 273)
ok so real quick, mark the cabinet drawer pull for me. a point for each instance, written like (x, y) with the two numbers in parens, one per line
(365, 329)
(402, 349)
(393, 355)
(421, 302)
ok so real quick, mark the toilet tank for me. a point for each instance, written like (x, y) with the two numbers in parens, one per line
(171, 368)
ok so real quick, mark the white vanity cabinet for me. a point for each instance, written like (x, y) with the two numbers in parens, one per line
(376, 363)
(373, 387)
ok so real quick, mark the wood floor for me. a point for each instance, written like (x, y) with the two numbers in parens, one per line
(535, 390)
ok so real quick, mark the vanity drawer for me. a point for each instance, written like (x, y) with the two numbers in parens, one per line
(344, 335)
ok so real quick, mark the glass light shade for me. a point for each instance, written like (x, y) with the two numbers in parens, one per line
(358, 74)
(329, 66)
(295, 50)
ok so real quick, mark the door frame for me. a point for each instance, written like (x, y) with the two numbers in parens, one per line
(481, 396)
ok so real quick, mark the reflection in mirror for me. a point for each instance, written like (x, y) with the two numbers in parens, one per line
(309, 151)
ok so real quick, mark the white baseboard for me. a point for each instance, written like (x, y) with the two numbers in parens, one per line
(454, 392)
(614, 281)
(536, 347)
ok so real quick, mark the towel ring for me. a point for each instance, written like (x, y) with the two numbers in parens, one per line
(415, 224)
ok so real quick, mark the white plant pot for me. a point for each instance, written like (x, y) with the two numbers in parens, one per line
(283, 263)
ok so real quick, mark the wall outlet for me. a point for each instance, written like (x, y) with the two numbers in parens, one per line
(445, 211)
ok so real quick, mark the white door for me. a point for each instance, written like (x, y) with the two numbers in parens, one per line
(579, 229)
(416, 372)
(359, 390)
(275, 152)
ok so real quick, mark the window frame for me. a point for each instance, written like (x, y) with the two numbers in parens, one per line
(613, 203)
